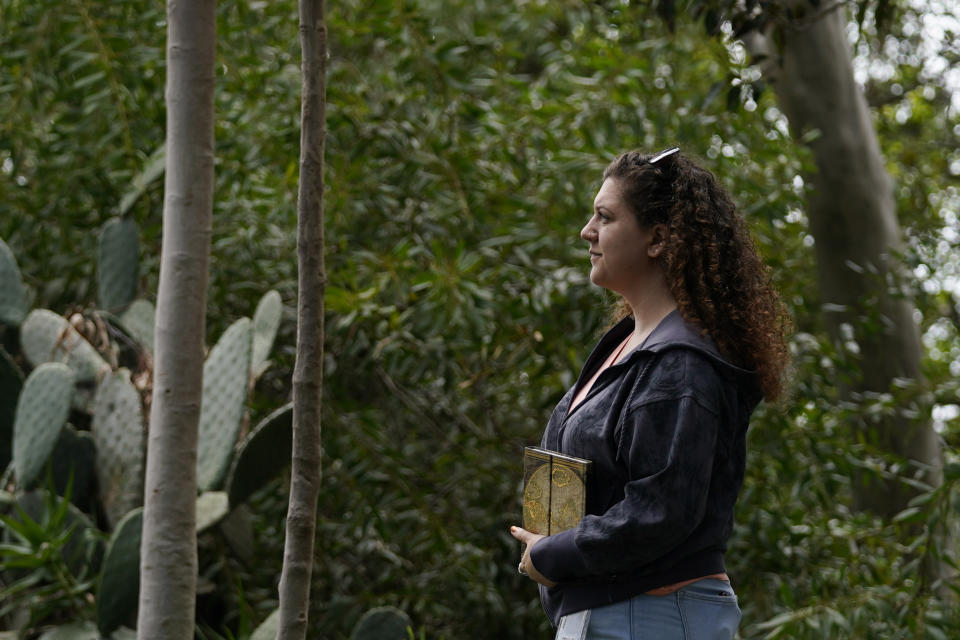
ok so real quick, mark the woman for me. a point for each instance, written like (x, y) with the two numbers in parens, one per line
(661, 408)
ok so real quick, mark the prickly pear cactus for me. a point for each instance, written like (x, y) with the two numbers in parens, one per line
(117, 268)
(119, 588)
(237, 531)
(212, 507)
(74, 631)
(42, 411)
(266, 321)
(118, 431)
(263, 454)
(74, 457)
(13, 297)
(11, 382)
(382, 623)
(268, 628)
(225, 379)
(46, 337)
(138, 320)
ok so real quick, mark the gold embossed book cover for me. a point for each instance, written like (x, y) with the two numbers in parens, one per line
(554, 490)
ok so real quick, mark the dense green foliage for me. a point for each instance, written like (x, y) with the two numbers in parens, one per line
(465, 143)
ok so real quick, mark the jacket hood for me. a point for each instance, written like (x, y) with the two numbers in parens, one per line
(674, 332)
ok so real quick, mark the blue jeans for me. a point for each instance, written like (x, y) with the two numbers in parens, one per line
(703, 610)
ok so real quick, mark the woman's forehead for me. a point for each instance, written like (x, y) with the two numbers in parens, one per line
(608, 194)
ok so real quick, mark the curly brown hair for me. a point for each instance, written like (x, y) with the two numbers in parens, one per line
(710, 262)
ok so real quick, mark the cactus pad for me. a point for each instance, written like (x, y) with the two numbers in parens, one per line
(382, 623)
(117, 268)
(46, 337)
(263, 454)
(266, 321)
(75, 454)
(212, 507)
(119, 588)
(119, 433)
(42, 410)
(13, 297)
(138, 320)
(237, 530)
(11, 381)
(74, 631)
(226, 375)
(268, 628)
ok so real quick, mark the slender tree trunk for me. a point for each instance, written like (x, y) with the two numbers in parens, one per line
(168, 556)
(853, 220)
(308, 371)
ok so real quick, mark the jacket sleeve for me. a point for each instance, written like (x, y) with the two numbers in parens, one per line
(668, 447)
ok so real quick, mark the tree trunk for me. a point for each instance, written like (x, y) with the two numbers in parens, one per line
(308, 370)
(852, 217)
(168, 556)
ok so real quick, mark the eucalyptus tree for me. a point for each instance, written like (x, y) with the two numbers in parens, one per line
(803, 51)
(308, 370)
(853, 218)
(168, 557)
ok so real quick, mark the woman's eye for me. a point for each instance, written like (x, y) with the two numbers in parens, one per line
(602, 217)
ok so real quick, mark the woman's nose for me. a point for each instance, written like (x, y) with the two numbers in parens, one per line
(587, 232)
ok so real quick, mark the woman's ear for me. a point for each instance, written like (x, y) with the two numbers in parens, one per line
(658, 240)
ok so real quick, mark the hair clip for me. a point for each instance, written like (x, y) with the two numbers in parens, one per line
(663, 154)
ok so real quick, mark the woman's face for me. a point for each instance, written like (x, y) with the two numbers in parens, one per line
(621, 251)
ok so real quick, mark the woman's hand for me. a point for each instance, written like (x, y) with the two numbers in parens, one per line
(526, 564)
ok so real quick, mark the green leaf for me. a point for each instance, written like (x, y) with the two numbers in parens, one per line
(153, 169)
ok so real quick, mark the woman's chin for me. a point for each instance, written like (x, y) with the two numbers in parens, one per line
(597, 277)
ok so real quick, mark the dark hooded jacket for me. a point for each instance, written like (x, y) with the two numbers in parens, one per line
(665, 430)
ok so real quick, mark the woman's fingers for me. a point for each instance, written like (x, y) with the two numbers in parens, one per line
(526, 565)
(520, 533)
